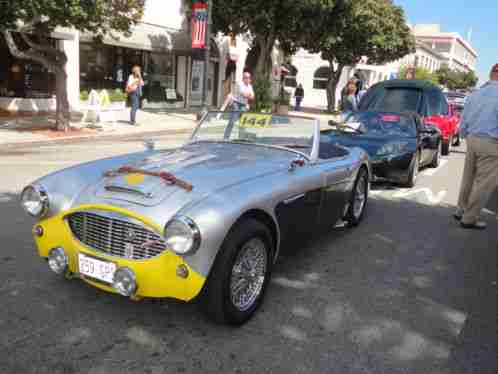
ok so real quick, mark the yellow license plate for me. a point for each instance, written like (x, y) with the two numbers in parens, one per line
(255, 120)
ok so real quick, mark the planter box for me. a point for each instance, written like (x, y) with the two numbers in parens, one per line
(283, 109)
(18, 104)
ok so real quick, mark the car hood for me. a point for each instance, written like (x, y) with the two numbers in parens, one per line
(208, 167)
(370, 144)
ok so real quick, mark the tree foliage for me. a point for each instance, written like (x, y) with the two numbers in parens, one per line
(420, 74)
(266, 22)
(36, 19)
(455, 80)
(346, 31)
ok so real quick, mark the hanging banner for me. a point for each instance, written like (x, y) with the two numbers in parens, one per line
(199, 24)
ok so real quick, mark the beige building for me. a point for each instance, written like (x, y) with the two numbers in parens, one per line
(458, 53)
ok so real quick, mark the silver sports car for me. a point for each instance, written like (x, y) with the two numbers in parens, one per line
(206, 220)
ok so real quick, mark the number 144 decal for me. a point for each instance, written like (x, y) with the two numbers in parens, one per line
(255, 120)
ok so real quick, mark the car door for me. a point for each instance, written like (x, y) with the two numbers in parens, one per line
(336, 174)
(297, 213)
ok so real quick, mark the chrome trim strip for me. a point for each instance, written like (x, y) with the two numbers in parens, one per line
(112, 188)
(294, 198)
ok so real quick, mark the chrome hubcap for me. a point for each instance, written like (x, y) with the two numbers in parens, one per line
(248, 274)
(359, 197)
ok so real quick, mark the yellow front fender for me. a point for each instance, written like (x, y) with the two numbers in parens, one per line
(156, 277)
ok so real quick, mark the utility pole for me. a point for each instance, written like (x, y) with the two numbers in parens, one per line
(207, 51)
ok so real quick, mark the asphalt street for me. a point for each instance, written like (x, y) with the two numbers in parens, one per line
(407, 291)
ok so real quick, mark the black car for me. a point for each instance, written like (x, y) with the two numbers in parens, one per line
(398, 144)
(421, 97)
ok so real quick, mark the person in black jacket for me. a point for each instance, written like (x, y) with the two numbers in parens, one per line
(299, 95)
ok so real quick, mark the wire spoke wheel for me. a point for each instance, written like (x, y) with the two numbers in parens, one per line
(359, 198)
(248, 274)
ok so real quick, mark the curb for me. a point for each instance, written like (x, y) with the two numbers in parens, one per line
(98, 136)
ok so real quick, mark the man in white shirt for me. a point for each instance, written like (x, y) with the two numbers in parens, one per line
(243, 93)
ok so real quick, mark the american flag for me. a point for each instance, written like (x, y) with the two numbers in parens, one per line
(199, 24)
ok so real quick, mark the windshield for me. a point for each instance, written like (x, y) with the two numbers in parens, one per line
(295, 133)
(398, 100)
(380, 124)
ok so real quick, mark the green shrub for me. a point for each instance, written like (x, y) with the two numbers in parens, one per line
(84, 95)
(262, 96)
(117, 95)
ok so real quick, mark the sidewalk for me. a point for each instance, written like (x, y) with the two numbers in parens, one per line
(24, 129)
(18, 129)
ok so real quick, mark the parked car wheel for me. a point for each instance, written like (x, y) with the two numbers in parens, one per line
(456, 140)
(236, 285)
(437, 157)
(358, 200)
(413, 174)
(446, 148)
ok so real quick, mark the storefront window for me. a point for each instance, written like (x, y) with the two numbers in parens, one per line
(24, 78)
(108, 67)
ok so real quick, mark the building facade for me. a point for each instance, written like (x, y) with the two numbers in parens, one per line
(160, 44)
(457, 52)
(433, 49)
(312, 72)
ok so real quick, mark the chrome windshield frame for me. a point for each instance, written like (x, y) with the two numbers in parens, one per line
(312, 157)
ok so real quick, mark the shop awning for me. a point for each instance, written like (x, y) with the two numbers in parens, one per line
(148, 37)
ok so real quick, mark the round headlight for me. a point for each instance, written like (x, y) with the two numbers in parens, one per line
(182, 235)
(34, 200)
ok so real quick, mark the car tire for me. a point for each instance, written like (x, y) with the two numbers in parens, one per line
(218, 298)
(446, 148)
(436, 160)
(456, 140)
(358, 200)
(413, 174)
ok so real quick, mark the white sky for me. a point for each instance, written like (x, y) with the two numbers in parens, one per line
(163, 12)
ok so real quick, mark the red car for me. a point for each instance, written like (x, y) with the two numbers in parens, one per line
(421, 97)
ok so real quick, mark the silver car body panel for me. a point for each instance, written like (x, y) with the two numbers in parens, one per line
(229, 180)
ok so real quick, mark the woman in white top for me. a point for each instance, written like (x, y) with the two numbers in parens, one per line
(134, 91)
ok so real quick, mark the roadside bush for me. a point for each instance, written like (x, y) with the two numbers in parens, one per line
(84, 95)
(117, 95)
(262, 96)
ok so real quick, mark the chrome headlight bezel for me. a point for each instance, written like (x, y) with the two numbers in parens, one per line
(394, 148)
(182, 235)
(43, 203)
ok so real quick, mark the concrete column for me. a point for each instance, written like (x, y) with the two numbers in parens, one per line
(72, 50)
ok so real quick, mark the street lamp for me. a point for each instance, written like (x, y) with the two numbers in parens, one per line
(207, 52)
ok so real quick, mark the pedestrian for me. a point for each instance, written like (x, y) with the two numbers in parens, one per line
(410, 73)
(299, 95)
(243, 94)
(350, 103)
(134, 91)
(479, 125)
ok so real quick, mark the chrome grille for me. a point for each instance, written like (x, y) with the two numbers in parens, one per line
(116, 235)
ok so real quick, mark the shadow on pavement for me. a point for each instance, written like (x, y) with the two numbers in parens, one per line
(407, 291)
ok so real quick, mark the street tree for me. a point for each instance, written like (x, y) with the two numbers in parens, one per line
(455, 80)
(27, 25)
(266, 22)
(347, 31)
